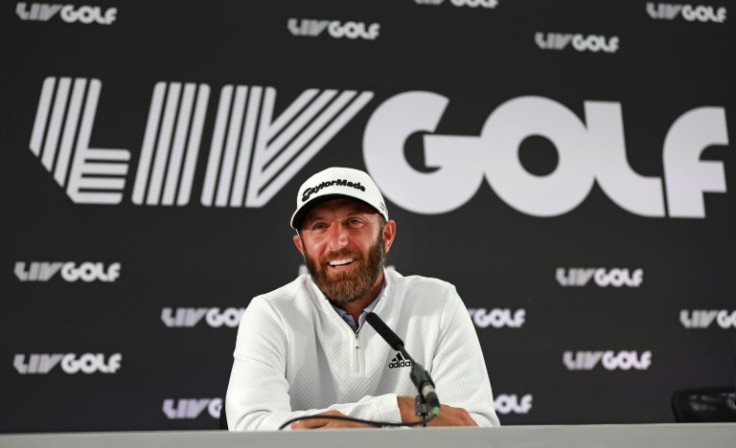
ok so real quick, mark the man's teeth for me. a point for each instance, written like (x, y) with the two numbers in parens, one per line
(341, 262)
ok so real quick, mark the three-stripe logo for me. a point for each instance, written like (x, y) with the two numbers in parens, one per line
(399, 361)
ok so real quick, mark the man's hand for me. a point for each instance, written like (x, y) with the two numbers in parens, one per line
(324, 423)
(448, 416)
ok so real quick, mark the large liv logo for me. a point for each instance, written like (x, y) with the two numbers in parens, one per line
(60, 139)
(591, 151)
(253, 154)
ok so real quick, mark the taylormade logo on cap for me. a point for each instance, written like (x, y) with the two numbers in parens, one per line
(337, 182)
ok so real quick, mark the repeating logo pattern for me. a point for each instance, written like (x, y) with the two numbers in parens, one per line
(190, 317)
(479, 4)
(688, 12)
(615, 277)
(497, 317)
(582, 43)
(513, 404)
(70, 363)
(335, 29)
(192, 408)
(84, 14)
(43, 271)
(609, 360)
(702, 319)
(237, 146)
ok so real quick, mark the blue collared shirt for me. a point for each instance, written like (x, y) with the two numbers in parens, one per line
(349, 319)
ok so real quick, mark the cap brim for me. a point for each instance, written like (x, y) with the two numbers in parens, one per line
(298, 217)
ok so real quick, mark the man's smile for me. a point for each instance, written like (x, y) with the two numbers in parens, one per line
(341, 263)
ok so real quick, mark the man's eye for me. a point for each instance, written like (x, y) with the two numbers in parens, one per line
(318, 227)
(355, 222)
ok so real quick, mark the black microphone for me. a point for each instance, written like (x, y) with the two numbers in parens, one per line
(386, 333)
(419, 376)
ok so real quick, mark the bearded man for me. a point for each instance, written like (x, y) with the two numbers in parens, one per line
(304, 349)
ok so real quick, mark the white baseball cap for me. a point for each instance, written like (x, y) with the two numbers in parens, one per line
(333, 183)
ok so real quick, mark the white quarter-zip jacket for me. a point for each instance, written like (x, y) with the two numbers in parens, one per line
(295, 356)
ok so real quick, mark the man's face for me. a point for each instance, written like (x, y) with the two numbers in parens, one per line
(344, 245)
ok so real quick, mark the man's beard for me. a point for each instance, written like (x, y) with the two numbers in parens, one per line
(354, 283)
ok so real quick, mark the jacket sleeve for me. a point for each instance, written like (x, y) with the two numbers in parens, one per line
(458, 368)
(258, 391)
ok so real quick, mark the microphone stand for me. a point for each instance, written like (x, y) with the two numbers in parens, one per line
(419, 376)
(421, 408)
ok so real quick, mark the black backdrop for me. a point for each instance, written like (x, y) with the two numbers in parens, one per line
(496, 129)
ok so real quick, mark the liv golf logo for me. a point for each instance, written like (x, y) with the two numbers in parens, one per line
(253, 153)
(591, 151)
(43, 271)
(582, 43)
(702, 319)
(191, 408)
(602, 277)
(335, 29)
(691, 13)
(88, 363)
(497, 317)
(84, 14)
(190, 317)
(610, 360)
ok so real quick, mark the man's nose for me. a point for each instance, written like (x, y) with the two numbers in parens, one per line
(338, 236)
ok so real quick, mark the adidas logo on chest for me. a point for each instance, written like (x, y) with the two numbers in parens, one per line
(399, 361)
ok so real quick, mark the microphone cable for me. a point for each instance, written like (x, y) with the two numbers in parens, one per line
(375, 423)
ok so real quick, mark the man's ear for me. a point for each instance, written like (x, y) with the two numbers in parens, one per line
(299, 243)
(389, 233)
